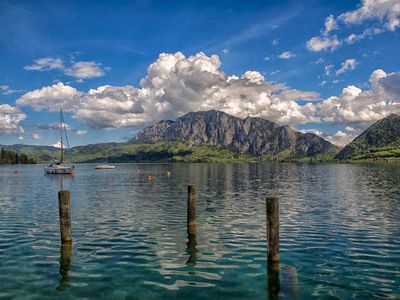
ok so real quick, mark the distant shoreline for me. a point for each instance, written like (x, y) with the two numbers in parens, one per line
(388, 160)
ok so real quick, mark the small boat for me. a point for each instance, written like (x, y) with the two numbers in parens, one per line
(61, 167)
(106, 165)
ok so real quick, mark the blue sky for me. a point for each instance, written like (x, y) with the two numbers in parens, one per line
(306, 52)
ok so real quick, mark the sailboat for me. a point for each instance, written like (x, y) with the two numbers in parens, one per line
(106, 165)
(62, 166)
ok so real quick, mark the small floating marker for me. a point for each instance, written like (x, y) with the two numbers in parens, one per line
(149, 177)
(168, 174)
(72, 173)
(138, 171)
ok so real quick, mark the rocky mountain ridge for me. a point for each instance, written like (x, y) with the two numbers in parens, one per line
(252, 135)
(381, 139)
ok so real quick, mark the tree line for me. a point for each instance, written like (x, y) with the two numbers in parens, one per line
(12, 157)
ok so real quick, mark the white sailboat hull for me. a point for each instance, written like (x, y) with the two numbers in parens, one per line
(59, 170)
(105, 167)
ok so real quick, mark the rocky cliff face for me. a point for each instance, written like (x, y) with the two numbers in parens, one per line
(383, 133)
(254, 136)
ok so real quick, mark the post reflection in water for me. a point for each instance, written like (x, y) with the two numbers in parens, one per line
(65, 265)
(282, 282)
(273, 283)
(288, 282)
(191, 250)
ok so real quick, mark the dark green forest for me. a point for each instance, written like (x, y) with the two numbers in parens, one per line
(12, 158)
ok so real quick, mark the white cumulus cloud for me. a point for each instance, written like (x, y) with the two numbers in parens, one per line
(313, 130)
(347, 65)
(10, 119)
(340, 138)
(385, 12)
(81, 132)
(328, 69)
(175, 85)
(350, 129)
(77, 69)
(286, 55)
(36, 136)
(320, 43)
(330, 24)
(6, 90)
(375, 16)
(57, 144)
(85, 70)
(112, 107)
(354, 105)
(45, 64)
(55, 97)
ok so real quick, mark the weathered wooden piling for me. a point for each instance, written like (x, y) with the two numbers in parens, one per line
(273, 283)
(191, 210)
(65, 217)
(273, 228)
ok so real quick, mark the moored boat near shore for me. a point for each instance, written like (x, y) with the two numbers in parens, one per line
(61, 167)
(104, 167)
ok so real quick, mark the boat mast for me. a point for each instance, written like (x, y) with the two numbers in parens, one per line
(107, 151)
(61, 135)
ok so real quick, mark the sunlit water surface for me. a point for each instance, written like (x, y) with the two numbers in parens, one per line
(340, 232)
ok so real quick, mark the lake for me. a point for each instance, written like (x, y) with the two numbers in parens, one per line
(340, 232)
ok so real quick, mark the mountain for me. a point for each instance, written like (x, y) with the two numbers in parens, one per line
(252, 136)
(381, 139)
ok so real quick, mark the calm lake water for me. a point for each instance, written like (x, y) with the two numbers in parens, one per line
(340, 232)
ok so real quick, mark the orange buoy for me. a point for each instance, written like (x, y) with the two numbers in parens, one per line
(149, 177)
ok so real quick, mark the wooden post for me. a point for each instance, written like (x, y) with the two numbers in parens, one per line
(191, 210)
(273, 247)
(273, 228)
(65, 217)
